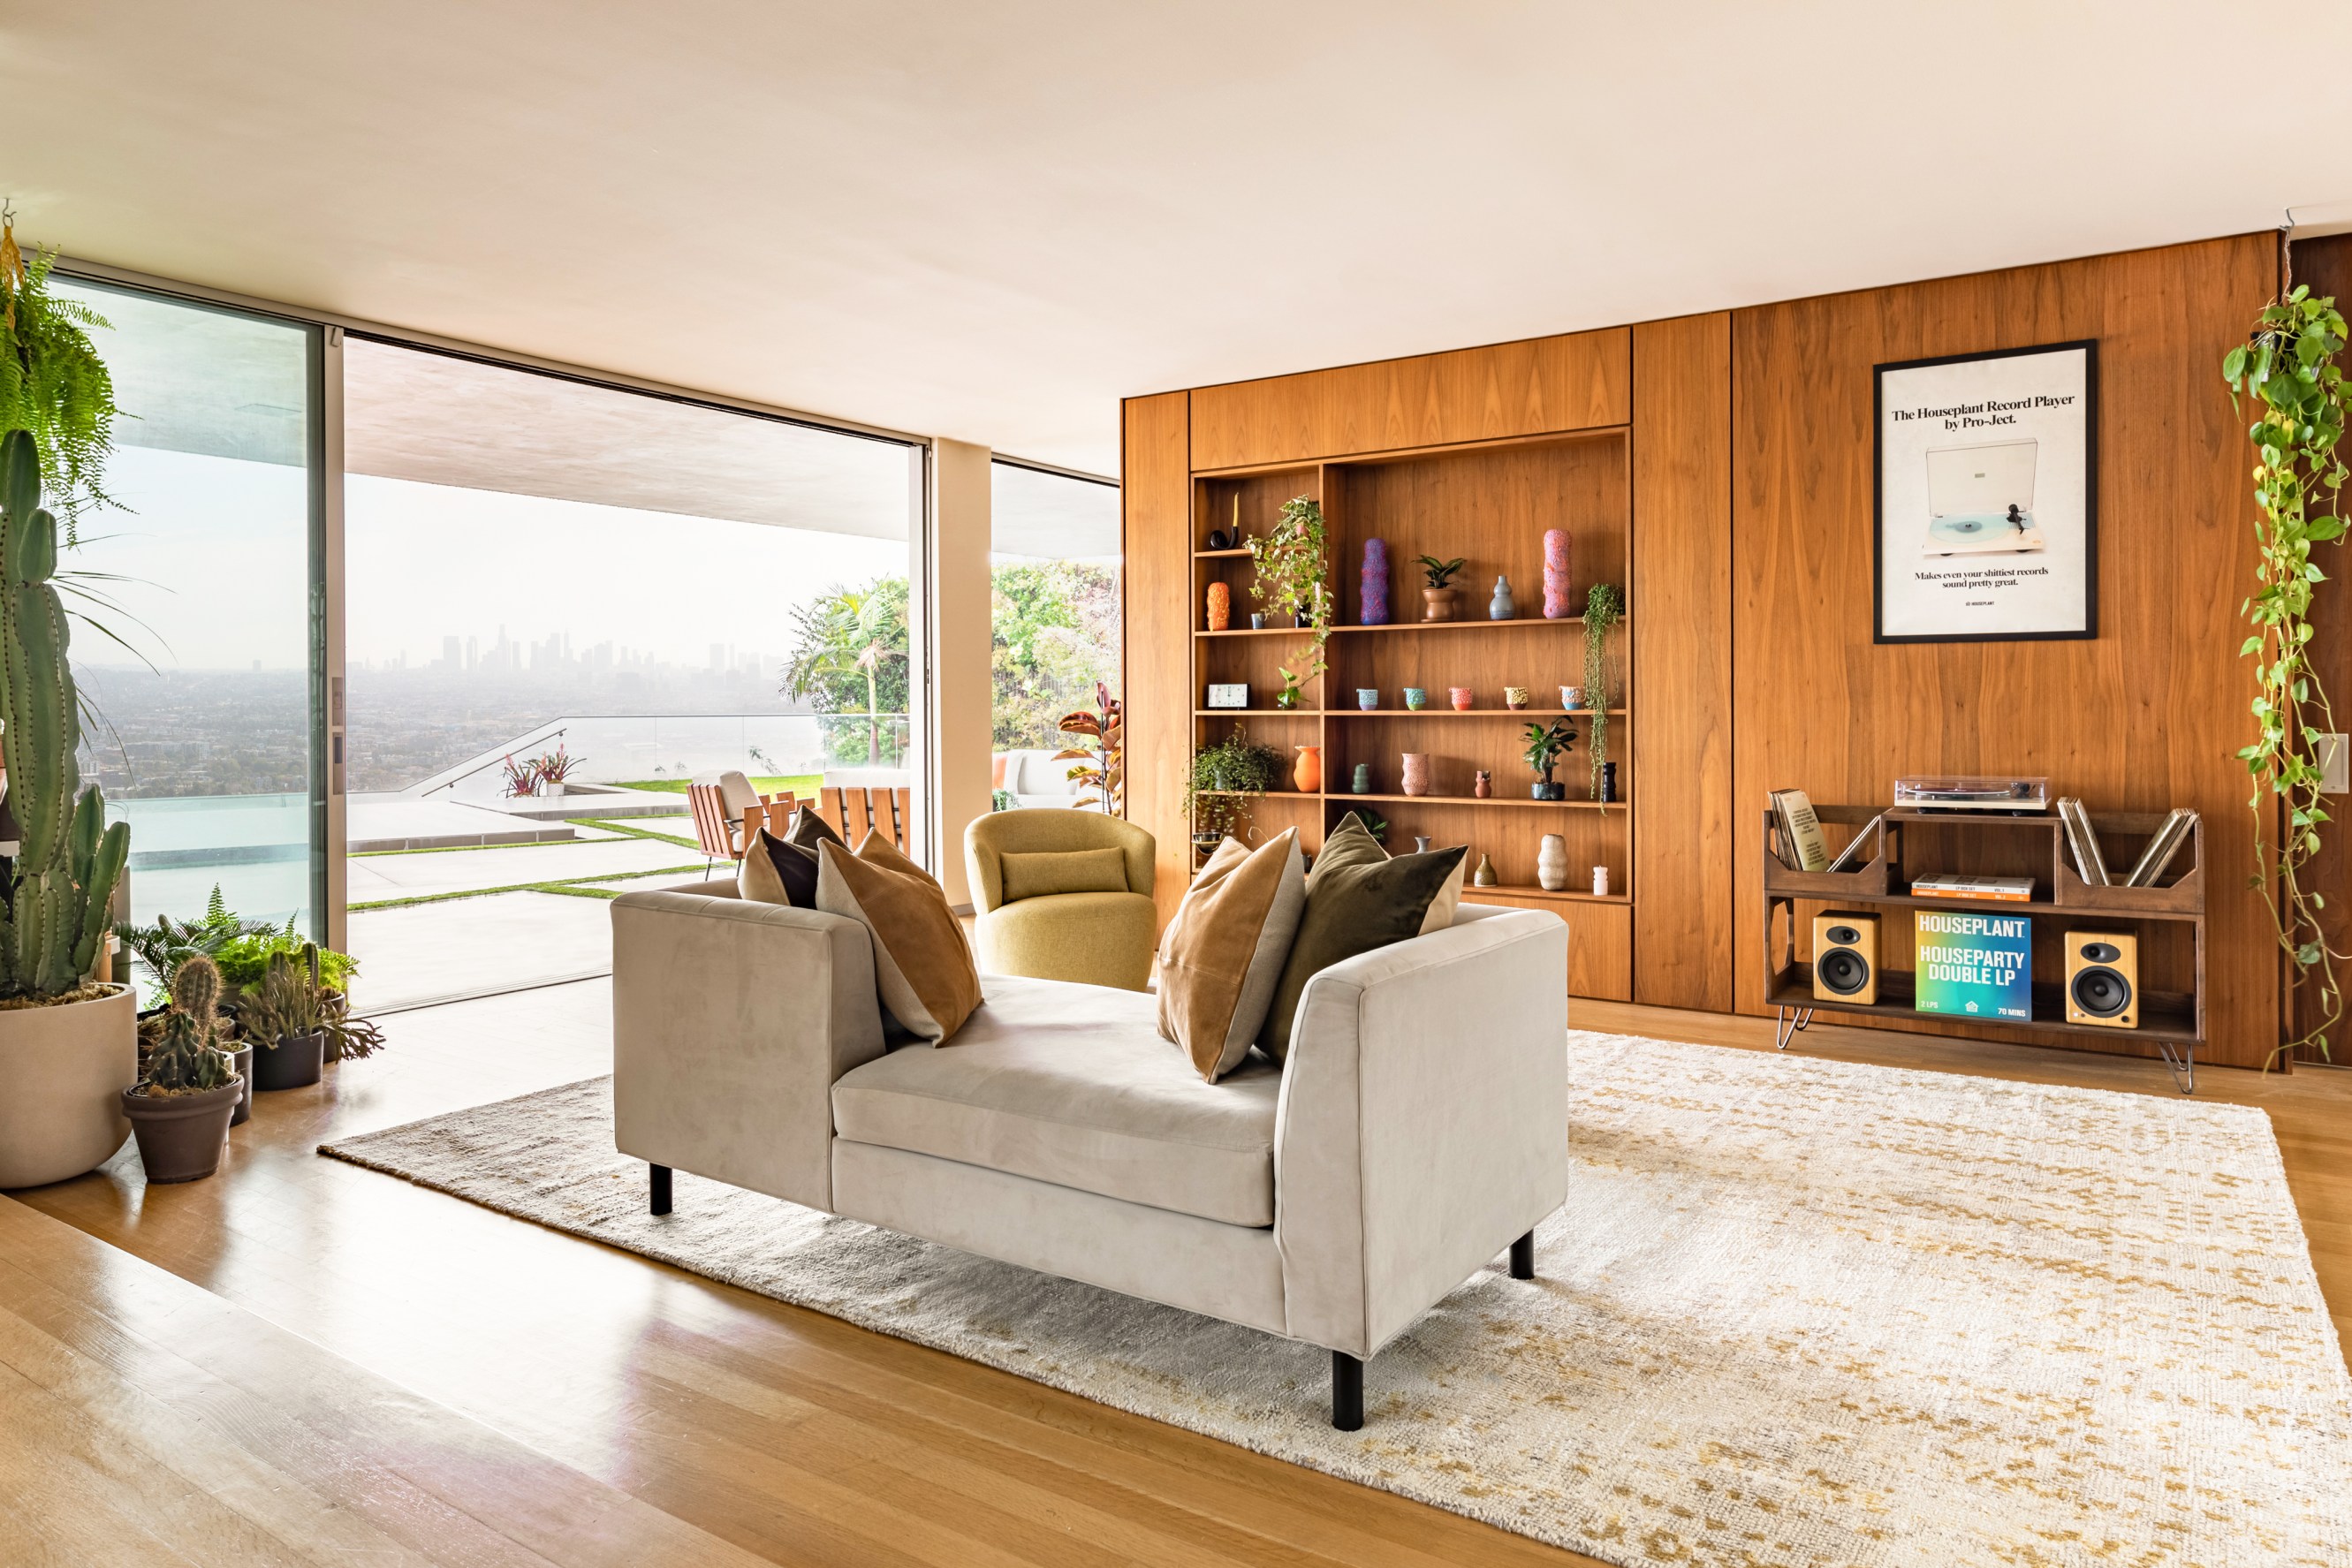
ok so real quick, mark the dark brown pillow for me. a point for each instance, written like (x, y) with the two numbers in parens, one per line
(1354, 904)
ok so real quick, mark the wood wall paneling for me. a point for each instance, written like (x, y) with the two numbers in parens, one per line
(1600, 946)
(1429, 400)
(2326, 265)
(1681, 628)
(1155, 508)
(2145, 718)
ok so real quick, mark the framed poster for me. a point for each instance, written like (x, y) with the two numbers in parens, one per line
(1987, 496)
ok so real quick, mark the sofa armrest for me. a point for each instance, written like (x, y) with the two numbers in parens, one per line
(731, 1019)
(1422, 1125)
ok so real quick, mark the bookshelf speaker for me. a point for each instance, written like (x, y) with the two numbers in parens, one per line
(2103, 978)
(1845, 957)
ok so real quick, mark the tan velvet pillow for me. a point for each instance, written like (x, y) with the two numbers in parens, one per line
(922, 968)
(1351, 843)
(1223, 952)
(1045, 873)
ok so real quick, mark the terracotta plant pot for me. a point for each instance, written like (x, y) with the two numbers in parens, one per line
(1439, 603)
(66, 1068)
(180, 1136)
(1416, 773)
(1308, 772)
(243, 1056)
(1460, 696)
(296, 1062)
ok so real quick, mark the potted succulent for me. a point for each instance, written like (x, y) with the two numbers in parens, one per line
(552, 768)
(68, 1046)
(1441, 601)
(180, 1109)
(1545, 743)
(283, 1021)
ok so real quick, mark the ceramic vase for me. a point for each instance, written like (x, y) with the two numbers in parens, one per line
(1417, 698)
(1368, 697)
(1220, 540)
(1416, 773)
(1307, 774)
(1372, 589)
(1363, 782)
(1485, 876)
(1551, 864)
(1572, 697)
(1421, 843)
(1439, 603)
(1501, 607)
(1221, 606)
(1558, 604)
(1608, 782)
(1514, 697)
(1481, 785)
(1460, 697)
(1601, 881)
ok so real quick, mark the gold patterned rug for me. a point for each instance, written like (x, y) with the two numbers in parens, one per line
(1795, 1312)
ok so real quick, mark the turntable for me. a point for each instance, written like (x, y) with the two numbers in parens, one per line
(1980, 499)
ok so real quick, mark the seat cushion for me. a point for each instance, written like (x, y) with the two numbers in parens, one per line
(1094, 938)
(1072, 1084)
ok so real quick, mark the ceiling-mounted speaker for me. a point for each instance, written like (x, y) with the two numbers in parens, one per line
(2103, 978)
(1845, 957)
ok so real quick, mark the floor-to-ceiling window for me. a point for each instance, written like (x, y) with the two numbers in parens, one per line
(651, 591)
(198, 665)
(1055, 562)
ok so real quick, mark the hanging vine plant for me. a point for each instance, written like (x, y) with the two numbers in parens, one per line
(1224, 779)
(2287, 365)
(1293, 576)
(1603, 608)
(52, 381)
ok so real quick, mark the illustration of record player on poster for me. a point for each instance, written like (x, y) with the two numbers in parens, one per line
(1980, 499)
(1987, 506)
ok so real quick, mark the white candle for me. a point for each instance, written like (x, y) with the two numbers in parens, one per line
(1601, 881)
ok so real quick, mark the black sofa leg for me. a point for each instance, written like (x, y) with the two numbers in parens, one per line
(1346, 1392)
(1523, 1257)
(660, 1175)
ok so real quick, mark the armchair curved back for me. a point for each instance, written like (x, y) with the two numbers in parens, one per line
(1047, 831)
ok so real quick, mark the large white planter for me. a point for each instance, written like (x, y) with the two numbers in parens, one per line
(62, 1073)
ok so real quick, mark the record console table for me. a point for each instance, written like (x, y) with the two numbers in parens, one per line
(2169, 918)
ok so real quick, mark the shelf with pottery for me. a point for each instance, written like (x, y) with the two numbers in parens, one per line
(1515, 802)
(1529, 713)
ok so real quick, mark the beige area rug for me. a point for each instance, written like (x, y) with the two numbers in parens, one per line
(1794, 1312)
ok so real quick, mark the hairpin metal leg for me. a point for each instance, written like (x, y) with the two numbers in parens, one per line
(1789, 1021)
(2183, 1065)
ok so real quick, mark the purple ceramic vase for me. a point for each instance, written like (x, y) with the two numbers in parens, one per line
(1372, 593)
(1557, 604)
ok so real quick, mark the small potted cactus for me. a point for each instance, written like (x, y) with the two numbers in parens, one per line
(180, 1109)
(284, 1023)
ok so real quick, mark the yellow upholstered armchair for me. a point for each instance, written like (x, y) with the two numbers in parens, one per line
(1062, 896)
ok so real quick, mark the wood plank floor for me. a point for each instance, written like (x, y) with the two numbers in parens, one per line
(764, 1431)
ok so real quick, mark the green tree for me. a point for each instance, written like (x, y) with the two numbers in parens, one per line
(849, 656)
(1055, 634)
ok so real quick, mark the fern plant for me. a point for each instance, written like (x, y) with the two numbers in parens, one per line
(52, 382)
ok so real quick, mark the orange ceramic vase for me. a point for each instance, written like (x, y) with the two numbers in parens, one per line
(1308, 772)
(1221, 607)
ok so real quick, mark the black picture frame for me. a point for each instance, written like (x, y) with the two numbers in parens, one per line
(2089, 348)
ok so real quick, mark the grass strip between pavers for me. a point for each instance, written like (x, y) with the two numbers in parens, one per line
(569, 885)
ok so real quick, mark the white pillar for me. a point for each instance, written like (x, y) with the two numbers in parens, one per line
(962, 683)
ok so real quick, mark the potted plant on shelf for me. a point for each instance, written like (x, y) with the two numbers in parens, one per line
(551, 768)
(181, 1107)
(1225, 778)
(1441, 601)
(283, 1021)
(68, 1046)
(1603, 608)
(1291, 571)
(1545, 743)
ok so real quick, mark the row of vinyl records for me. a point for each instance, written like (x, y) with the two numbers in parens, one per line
(2091, 861)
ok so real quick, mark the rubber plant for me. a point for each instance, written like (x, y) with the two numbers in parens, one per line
(68, 859)
(52, 382)
(1101, 768)
(2287, 367)
(1293, 573)
(1603, 608)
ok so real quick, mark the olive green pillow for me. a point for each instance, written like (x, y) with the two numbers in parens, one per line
(1355, 903)
(1045, 874)
(1351, 843)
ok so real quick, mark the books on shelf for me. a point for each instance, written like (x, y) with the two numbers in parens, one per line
(2003, 889)
(1801, 831)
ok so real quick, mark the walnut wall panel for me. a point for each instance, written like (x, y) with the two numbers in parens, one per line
(2145, 718)
(1155, 508)
(1528, 388)
(1681, 626)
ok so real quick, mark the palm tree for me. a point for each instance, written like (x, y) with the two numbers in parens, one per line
(849, 632)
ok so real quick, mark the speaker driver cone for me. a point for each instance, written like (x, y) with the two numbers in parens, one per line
(2101, 993)
(1842, 971)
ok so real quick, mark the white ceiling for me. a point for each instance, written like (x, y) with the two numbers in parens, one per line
(990, 222)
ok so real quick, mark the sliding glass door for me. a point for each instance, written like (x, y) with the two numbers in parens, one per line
(200, 655)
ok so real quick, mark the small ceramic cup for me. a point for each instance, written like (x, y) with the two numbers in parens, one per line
(1514, 697)
(1416, 697)
(1601, 881)
(1460, 695)
(1368, 697)
(1257, 622)
(1572, 697)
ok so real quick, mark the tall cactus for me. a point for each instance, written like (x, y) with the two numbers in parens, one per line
(68, 859)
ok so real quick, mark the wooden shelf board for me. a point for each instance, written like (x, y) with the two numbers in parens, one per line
(1478, 624)
(1219, 554)
(1991, 905)
(1566, 895)
(1468, 713)
(1515, 802)
(2163, 1016)
(1407, 453)
(1259, 631)
(1257, 712)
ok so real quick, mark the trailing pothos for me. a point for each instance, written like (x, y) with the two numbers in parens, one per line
(1293, 574)
(2287, 365)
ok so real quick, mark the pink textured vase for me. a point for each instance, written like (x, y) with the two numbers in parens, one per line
(1416, 773)
(1372, 588)
(1558, 604)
